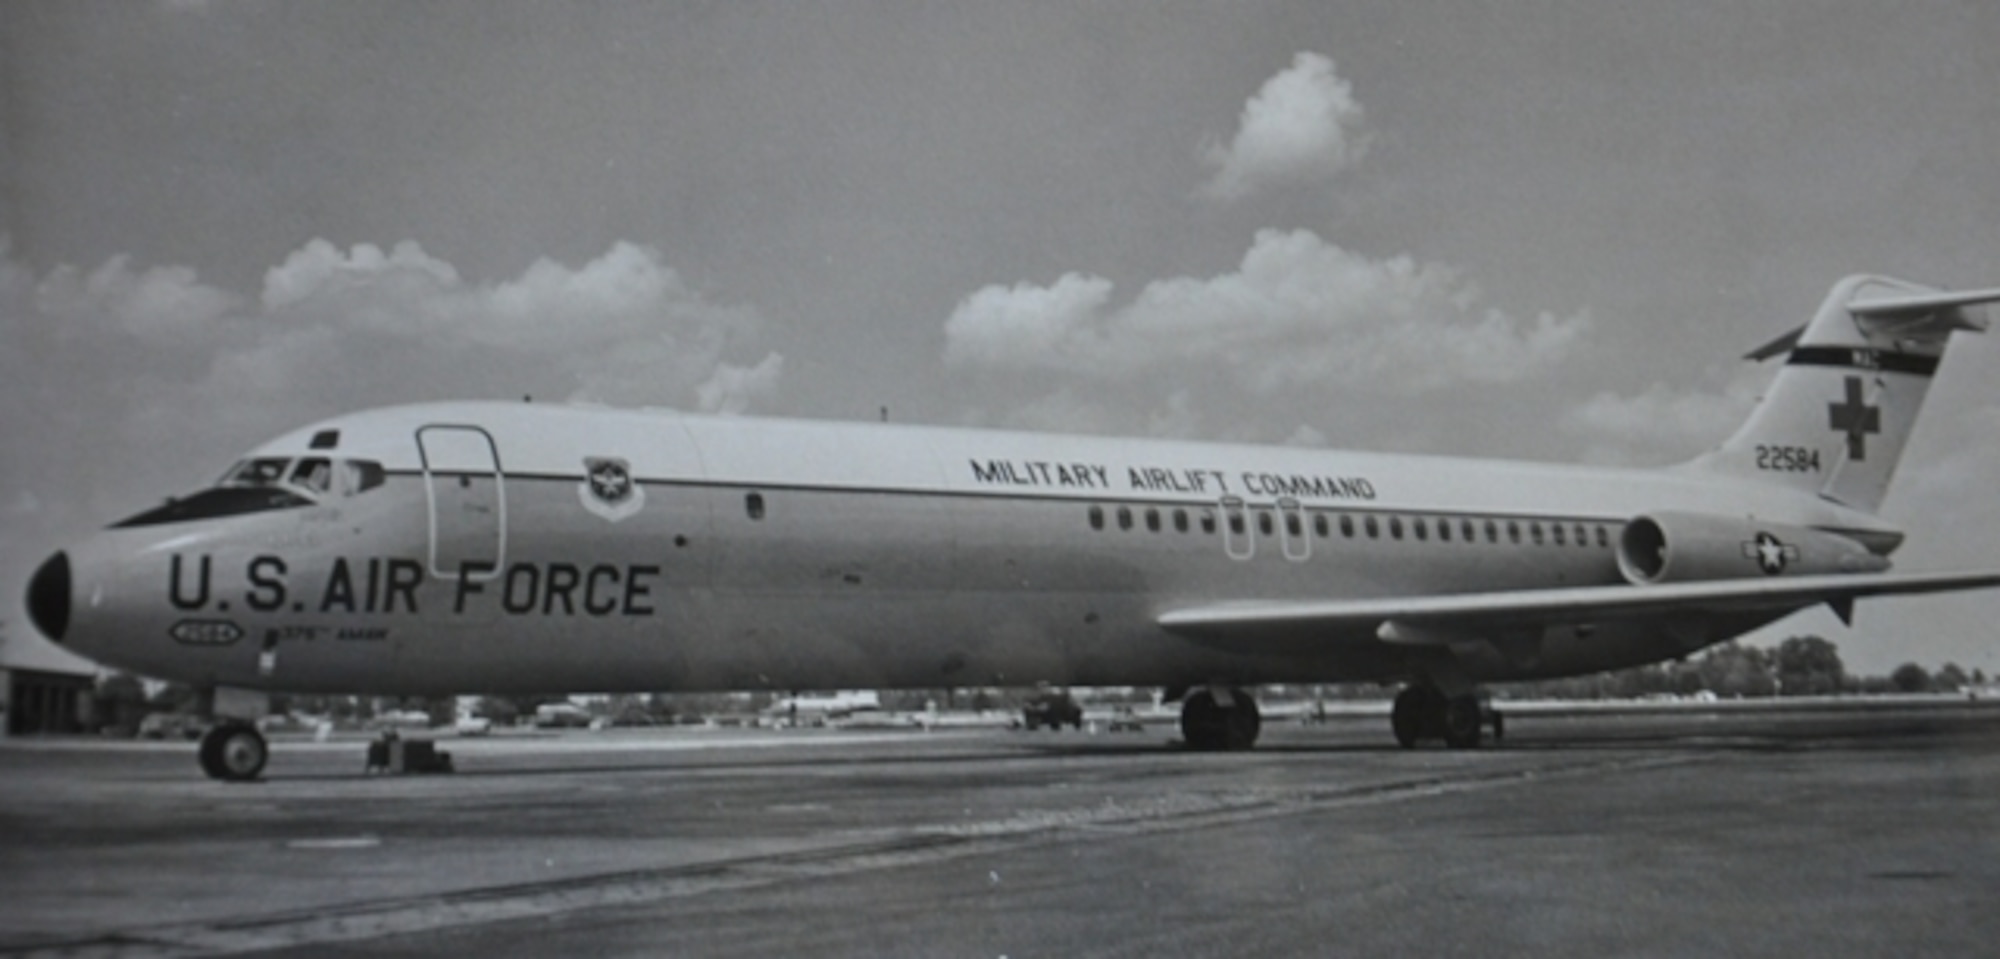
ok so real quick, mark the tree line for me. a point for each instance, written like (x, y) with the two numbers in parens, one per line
(1799, 666)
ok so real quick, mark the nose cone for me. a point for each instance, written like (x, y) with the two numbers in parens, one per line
(48, 597)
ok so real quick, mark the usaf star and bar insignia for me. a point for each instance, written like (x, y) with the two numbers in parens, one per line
(1771, 554)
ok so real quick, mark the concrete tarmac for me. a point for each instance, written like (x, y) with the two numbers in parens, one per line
(1833, 833)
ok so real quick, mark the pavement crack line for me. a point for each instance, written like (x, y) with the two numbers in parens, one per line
(923, 845)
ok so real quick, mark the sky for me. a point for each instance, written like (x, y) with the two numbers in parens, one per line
(1537, 229)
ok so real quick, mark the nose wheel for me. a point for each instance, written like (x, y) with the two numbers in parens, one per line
(234, 752)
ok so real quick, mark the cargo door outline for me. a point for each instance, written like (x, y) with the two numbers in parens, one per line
(466, 499)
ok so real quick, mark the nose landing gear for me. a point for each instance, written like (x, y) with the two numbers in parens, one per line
(234, 751)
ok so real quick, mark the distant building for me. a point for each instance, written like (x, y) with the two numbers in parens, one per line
(46, 690)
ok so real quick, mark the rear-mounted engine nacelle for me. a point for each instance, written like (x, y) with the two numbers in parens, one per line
(1667, 547)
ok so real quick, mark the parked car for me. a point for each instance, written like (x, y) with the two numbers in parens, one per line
(561, 716)
(1124, 720)
(1052, 709)
(172, 726)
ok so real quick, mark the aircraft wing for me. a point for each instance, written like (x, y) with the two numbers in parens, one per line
(1444, 618)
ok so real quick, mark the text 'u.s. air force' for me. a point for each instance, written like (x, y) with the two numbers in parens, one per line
(390, 585)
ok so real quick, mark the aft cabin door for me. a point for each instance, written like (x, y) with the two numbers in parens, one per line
(468, 502)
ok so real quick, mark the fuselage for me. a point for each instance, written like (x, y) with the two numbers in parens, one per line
(482, 547)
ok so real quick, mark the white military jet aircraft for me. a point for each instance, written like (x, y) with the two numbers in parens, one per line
(497, 548)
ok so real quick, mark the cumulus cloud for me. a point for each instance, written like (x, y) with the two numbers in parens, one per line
(622, 329)
(734, 389)
(176, 374)
(1298, 311)
(1299, 320)
(157, 303)
(1027, 325)
(1303, 126)
(1664, 423)
(1307, 437)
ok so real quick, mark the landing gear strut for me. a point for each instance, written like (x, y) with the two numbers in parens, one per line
(233, 752)
(1423, 711)
(1219, 719)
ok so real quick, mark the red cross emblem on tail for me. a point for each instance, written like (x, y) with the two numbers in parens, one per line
(1856, 418)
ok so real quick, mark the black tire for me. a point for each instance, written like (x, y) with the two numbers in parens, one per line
(1463, 722)
(1207, 725)
(1407, 714)
(234, 752)
(1245, 722)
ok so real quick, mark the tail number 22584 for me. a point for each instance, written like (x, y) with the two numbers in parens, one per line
(1788, 459)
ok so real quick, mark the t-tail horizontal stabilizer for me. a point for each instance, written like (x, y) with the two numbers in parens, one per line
(1837, 417)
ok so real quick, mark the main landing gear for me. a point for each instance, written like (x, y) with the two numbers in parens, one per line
(1219, 718)
(1423, 711)
(233, 751)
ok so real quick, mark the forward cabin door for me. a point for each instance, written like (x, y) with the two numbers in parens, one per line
(467, 501)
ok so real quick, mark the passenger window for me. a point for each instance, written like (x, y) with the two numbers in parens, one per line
(1347, 526)
(1492, 532)
(1582, 535)
(1468, 534)
(1236, 523)
(1422, 529)
(1535, 531)
(1153, 520)
(1556, 530)
(1264, 523)
(1208, 522)
(1319, 524)
(753, 505)
(1395, 527)
(1513, 532)
(1292, 526)
(1124, 517)
(1444, 530)
(1180, 521)
(1097, 517)
(1369, 525)
(1603, 541)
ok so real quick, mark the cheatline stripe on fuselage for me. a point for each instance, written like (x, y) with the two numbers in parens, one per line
(1857, 358)
(748, 487)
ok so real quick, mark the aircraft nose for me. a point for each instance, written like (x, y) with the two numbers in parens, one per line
(48, 597)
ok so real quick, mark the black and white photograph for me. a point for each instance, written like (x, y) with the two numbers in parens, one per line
(1111, 478)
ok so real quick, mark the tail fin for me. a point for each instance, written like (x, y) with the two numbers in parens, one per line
(1835, 420)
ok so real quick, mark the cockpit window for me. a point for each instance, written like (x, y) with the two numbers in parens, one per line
(313, 473)
(267, 483)
(361, 475)
(263, 471)
(217, 501)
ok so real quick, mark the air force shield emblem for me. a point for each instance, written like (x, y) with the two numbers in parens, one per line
(607, 489)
